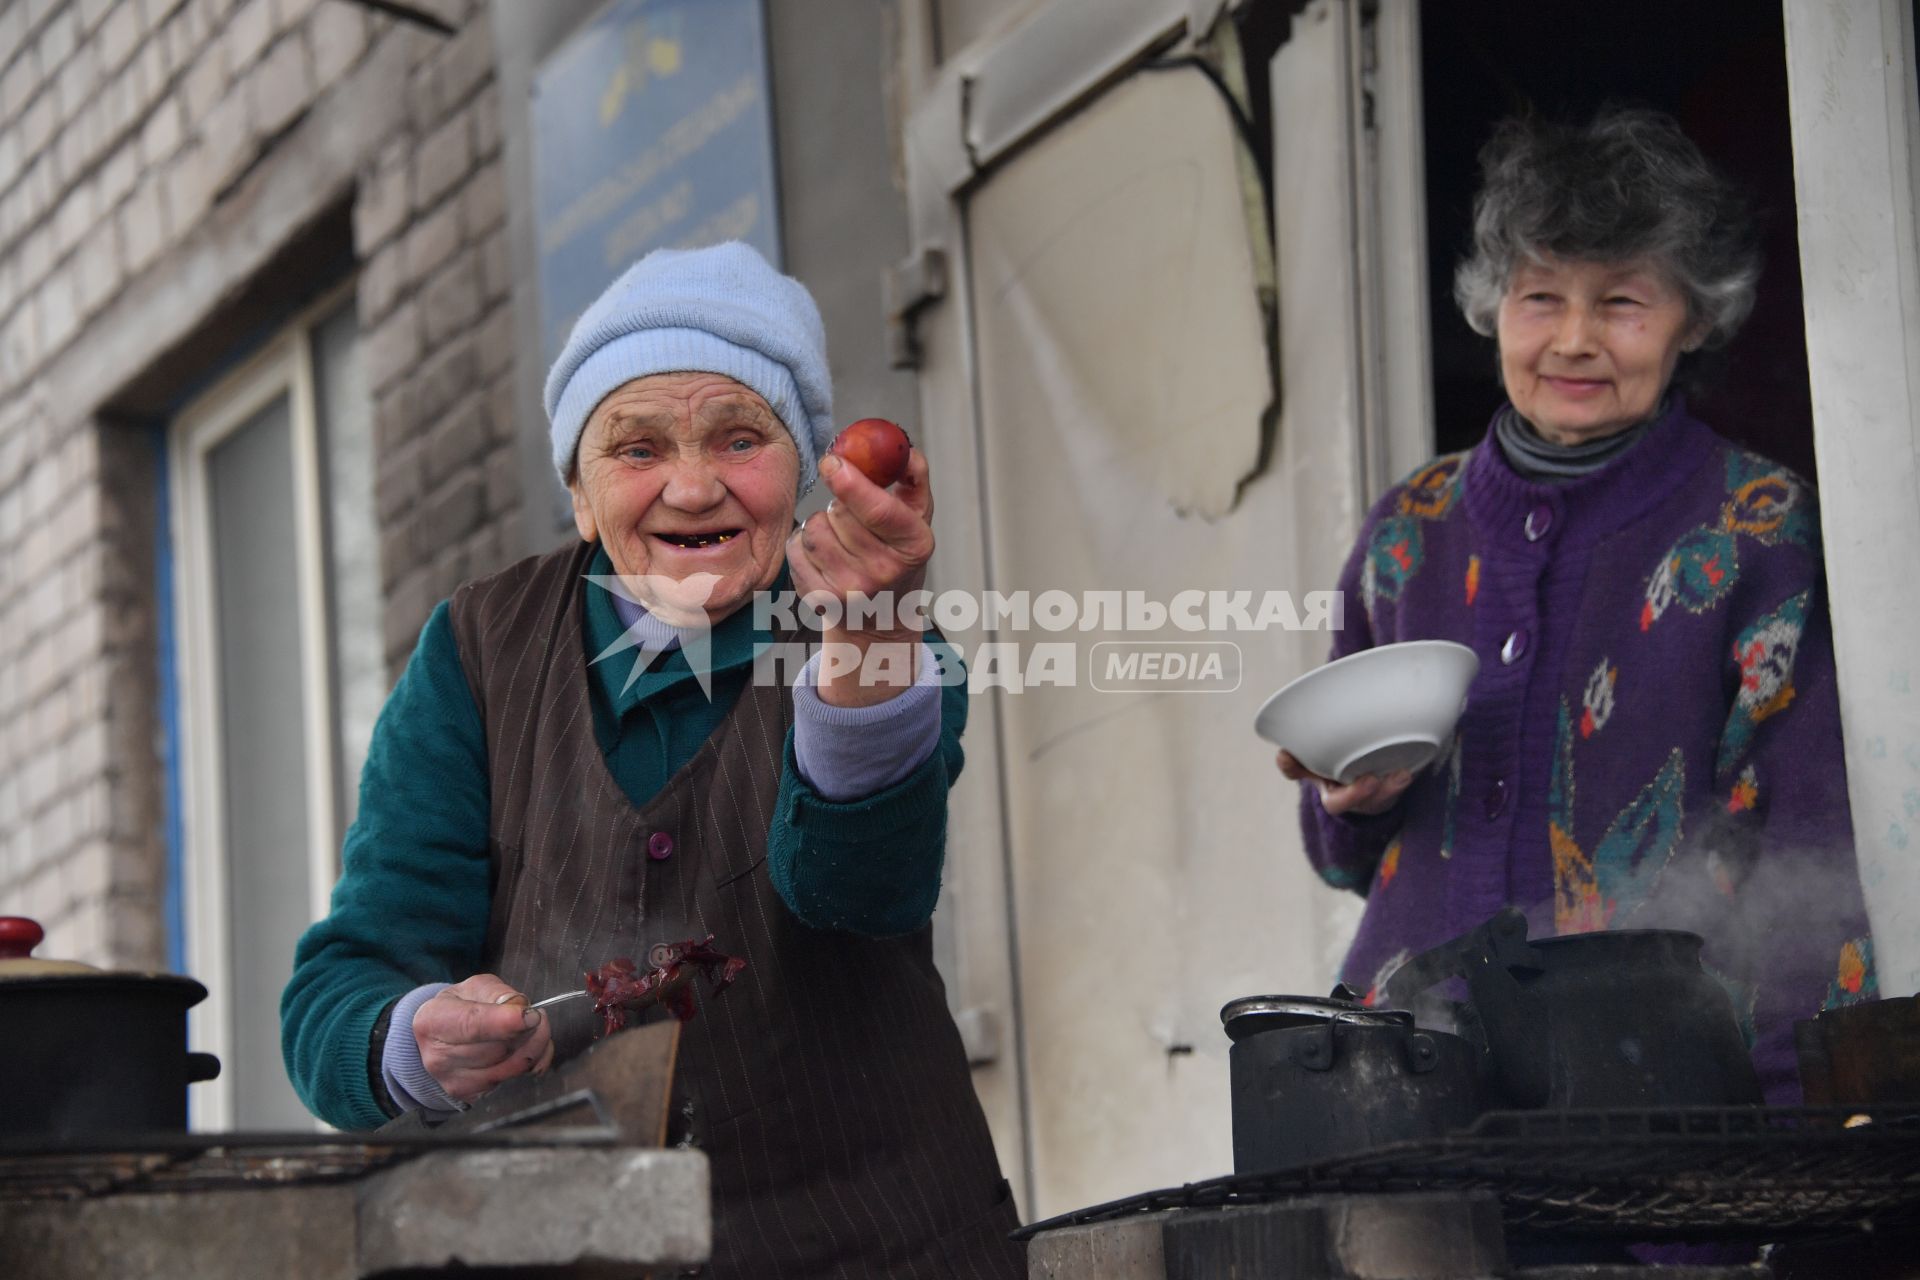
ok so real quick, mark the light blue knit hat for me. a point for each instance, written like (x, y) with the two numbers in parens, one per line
(715, 310)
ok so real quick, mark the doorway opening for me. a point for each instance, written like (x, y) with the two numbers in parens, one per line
(1719, 68)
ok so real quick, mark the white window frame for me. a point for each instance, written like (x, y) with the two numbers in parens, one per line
(283, 368)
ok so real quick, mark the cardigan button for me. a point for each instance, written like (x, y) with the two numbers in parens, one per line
(1496, 802)
(1539, 520)
(1515, 648)
(659, 846)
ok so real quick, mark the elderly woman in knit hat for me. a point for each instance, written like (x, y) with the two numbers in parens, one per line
(539, 800)
(1653, 738)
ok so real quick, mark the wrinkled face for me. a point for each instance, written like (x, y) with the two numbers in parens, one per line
(688, 478)
(1587, 348)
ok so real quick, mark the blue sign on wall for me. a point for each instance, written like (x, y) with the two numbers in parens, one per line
(651, 128)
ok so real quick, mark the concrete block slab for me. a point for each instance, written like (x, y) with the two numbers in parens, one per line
(594, 1206)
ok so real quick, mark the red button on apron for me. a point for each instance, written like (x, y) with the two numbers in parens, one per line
(659, 846)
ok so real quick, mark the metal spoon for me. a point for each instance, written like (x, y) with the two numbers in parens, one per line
(659, 955)
(564, 995)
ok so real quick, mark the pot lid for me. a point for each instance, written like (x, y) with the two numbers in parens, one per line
(18, 937)
(1251, 1014)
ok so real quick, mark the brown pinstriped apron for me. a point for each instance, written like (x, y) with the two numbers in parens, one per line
(828, 1086)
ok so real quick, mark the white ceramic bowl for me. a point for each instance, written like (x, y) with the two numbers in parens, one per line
(1386, 708)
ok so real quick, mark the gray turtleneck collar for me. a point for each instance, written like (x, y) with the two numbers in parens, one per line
(1534, 457)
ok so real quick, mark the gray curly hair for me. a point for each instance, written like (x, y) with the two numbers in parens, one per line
(1628, 185)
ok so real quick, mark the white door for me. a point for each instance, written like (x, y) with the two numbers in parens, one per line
(1102, 415)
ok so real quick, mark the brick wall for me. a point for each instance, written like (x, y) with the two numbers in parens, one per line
(154, 157)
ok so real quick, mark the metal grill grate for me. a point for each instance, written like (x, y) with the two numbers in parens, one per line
(225, 1161)
(1765, 1173)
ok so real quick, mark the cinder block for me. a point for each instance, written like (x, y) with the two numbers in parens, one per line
(74, 217)
(77, 144)
(91, 13)
(457, 442)
(59, 38)
(448, 375)
(163, 132)
(118, 175)
(431, 241)
(38, 123)
(496, 266)
(483, 553)
(483, 202)
(409, 601)
(395, 424)
(120, 35)
(59, 310)
(442, 160)
(452, 513)
(155, 60)
(380, 205)
(97, 269)
(1130, 1249)
(248, 29)
(451, 301)
(399, 484)
(290, 13)
(230, 138)
(20, 342)
(503, 410)
(393, 348)
(337, 34)
(494, 345)
(280, 87)
(381, 279)
(397, 555)
(21, 80)
(189, 186)
(205, 81)
(486, 123)
(503, 479)
(158, 11)
(467, 62)
(13, 33)
(78, 79)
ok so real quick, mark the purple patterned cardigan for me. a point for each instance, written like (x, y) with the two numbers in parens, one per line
(1653, 739)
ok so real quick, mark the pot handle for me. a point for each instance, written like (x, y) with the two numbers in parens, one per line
(1315, 1050)
(1502, 940)
(202, 1067)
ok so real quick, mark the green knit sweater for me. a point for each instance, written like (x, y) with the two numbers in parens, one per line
(412, 902)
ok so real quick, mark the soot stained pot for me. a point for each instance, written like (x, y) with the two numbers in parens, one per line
(1315, 1078)
(1861, 1054)
(91, 1053)
(1623, 1018)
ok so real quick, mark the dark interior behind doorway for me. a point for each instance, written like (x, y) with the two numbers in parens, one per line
(1719, 66)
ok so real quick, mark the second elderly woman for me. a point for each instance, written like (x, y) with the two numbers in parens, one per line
(1653, 737)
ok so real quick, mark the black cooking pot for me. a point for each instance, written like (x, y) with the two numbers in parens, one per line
(1315, 1078)
(91, 1053)
(1623, 1018)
